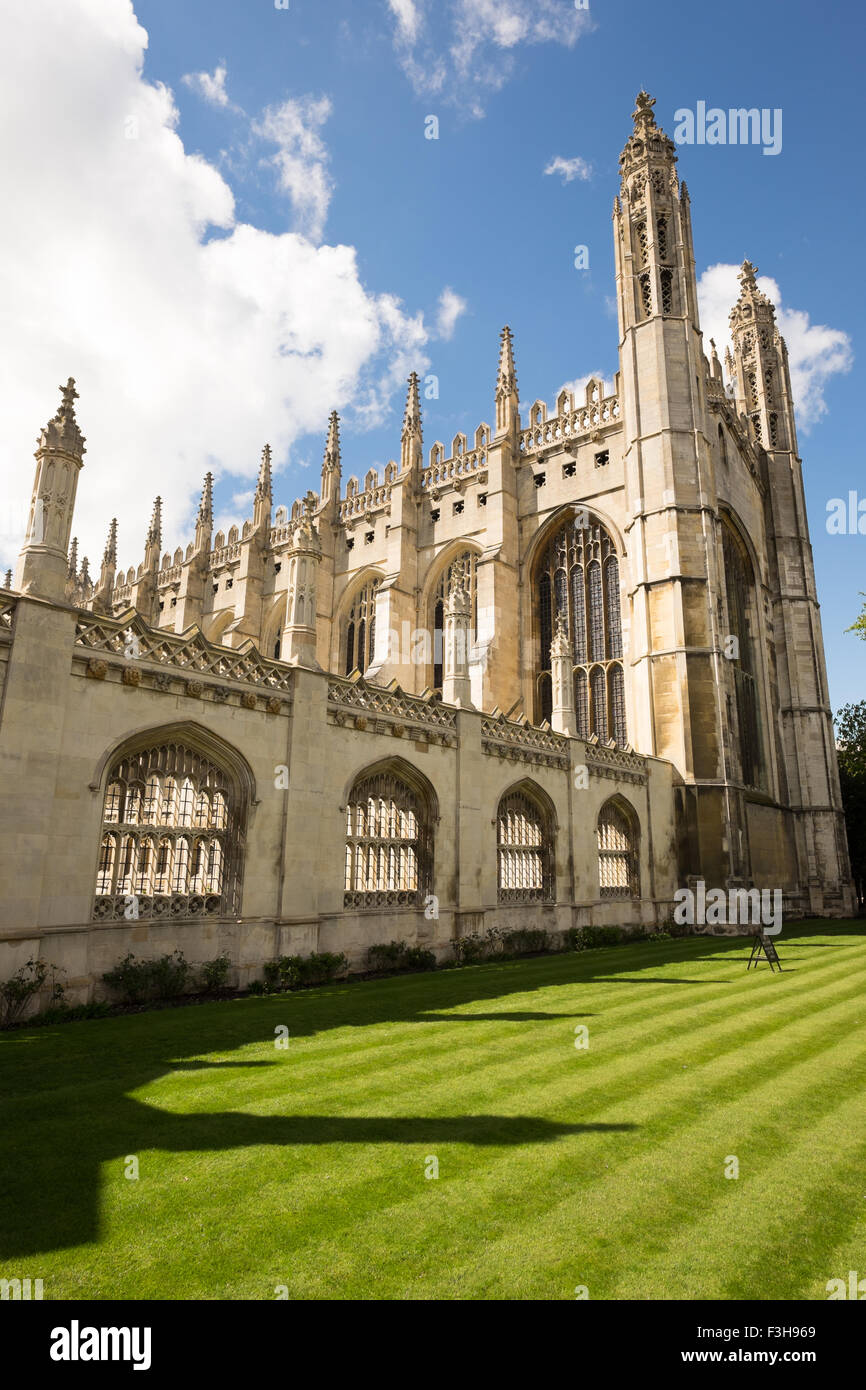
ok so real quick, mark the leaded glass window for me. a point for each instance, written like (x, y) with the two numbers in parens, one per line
(617, 853)
(388, 844)
(524, 850)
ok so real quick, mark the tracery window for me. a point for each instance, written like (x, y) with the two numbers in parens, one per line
(618, 875)
(462, 571)
(171, 844)
(577, 578)
(388, 843)
(741, 604)
(524, 850)
(360, 629)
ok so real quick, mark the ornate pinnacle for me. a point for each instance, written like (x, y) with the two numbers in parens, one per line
(154, 533)
(69, 396)
(84, 577)
(506, 380)
(747, 275)
(205, 506)
(263, 486)
(109, 556)
(72, 569)
(332, 443)
(7, 583)
(412, 415)
(559, 645)
(642, 115)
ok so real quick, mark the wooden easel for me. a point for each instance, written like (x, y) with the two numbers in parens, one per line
(763, 943)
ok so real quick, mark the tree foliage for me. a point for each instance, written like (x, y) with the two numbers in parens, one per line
(850, 723)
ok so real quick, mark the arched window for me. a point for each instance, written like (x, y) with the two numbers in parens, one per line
(740, 668)
(388, 843)
(360, 628)
(617, 852)
(524, 850)
(154, 798)
(461, 571)
(590, 604)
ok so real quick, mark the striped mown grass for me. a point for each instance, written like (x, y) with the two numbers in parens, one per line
(558, 1166)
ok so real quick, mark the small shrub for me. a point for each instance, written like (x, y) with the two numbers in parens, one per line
(525, 941)
(396, 955)
(320, 968)
(388, 956)
(469, 949)
(136, 981)
(169, 975)
(28, 980)
(271, 982)
(215, 974)
(587, 938)
(256, 987)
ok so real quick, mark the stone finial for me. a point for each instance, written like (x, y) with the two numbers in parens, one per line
(747, 275)
(264, 486)
(506, 379)
(62, 430)
(154, 531)
(642, 115)
(331, 462)
(559, 646)
(7, 583)
(205, 506)
(109, 555)
(412, 413)
(72, 570)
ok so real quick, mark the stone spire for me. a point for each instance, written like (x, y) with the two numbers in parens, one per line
(204, 520)
(264, 492)
(43, 564)
(456, 684)
(715, 364)
(331, 465)
(7, 582)
(153, 540)
(506, 386)
(653, 231)
(411, 438)
(72, 568)
(761, 375)
(105, 584)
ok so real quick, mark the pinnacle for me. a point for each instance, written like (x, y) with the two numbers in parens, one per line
(205, 509)
(332, 442)
(412, 415)
(110, 554)
(263, 486)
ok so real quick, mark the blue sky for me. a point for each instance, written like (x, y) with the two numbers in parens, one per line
(317, 128)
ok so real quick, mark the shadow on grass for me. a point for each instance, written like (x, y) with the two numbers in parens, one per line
(71, 1105)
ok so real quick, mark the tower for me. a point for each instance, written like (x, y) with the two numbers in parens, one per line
(43, 564)
(673, 651)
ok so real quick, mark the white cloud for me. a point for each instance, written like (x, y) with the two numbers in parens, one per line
(211, 87)
(193, 337)
(480, 42)
(570, 169)
(301, 157)
(451, 306)
(815, 352)
(409, 19)
(578, 386)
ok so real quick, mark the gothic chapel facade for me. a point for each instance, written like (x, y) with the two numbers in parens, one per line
(545, 674)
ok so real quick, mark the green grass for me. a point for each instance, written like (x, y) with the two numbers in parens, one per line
(558, 1167)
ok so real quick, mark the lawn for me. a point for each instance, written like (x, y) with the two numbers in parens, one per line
(558, 1166)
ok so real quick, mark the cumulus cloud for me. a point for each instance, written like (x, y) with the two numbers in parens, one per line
(451, 306)
(570, 169)
(815, 352)
(478, 43)
(301, 158)
(210, 86)
(193, 337)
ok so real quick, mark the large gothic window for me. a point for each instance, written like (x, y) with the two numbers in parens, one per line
(524, 850)
(740, 665)
(359, 637)
(388, 843)
(461, 572)
(171, 843)
(577, 579)
(617, 852)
